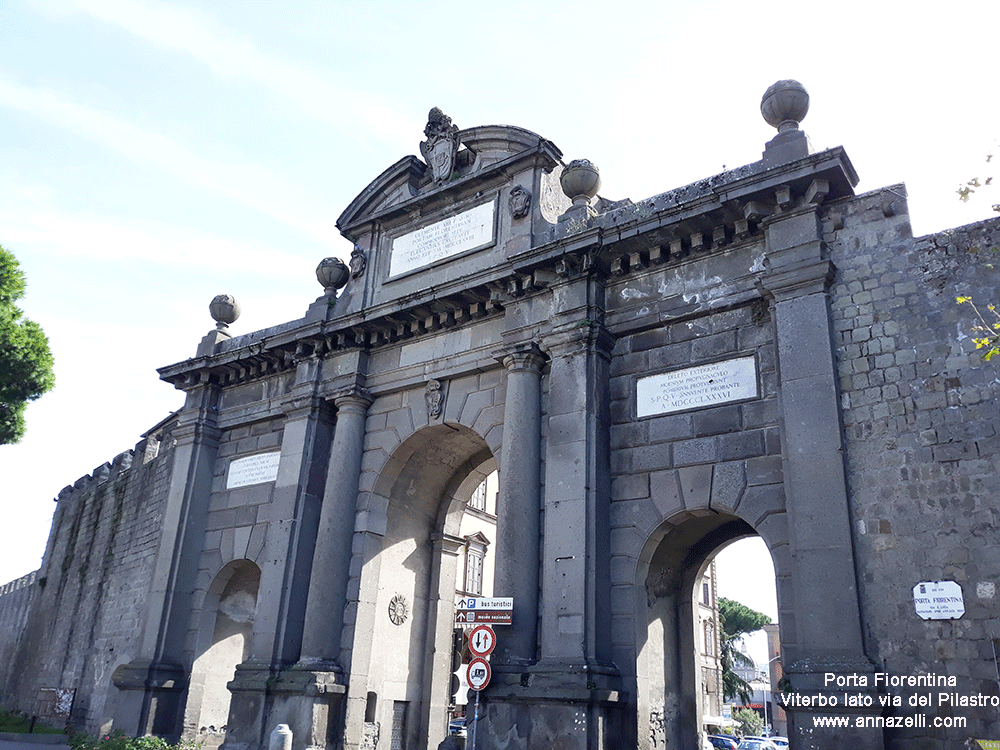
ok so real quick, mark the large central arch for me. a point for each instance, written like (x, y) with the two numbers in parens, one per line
(402, 655)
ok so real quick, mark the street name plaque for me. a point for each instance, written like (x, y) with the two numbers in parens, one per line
(696, 387)
(464, 231)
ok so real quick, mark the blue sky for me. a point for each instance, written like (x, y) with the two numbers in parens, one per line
(156, 154)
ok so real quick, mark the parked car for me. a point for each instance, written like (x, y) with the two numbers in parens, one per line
(457, 728)
(723, 741)
(781, 742)
(756, 743)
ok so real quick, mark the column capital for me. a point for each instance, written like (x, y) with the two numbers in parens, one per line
(590, 335)
(523, 357)
(355, 400)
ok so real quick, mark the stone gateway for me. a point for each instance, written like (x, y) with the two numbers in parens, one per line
(761, 353)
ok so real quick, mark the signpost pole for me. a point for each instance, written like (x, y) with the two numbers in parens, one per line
(475, 722)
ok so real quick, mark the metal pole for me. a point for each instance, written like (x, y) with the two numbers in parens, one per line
(475, 722)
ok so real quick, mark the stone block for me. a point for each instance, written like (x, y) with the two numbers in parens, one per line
(717, 420)
(728, 483)
(746, 444)
(665, 492)
(697, 451)
(696, 486)
(670, 427)
(630, 487)
(760, 501)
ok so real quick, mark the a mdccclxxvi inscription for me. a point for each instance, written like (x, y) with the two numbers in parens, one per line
(442, 239)
(262, 467)
(696, 387)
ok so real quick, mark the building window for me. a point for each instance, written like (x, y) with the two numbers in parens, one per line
(706, 594)
(474, 556)
(478, 499)
(709, 638)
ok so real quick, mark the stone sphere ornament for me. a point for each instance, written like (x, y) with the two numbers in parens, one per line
(333, 274)
(225, 310)
(580, 181)
(784, 105)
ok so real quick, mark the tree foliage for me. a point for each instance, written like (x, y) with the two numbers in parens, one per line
(25, 359)
(985, 335)
(751, 723)
(971, 186)
(737, 620)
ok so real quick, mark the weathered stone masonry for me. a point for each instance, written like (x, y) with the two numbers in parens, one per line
(865, 456)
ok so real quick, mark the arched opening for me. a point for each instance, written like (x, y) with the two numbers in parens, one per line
(424, 561)
(677, 642)
(224, 641)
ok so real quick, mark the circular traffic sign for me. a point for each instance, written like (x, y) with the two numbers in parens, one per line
(482, 640)
(478, 673)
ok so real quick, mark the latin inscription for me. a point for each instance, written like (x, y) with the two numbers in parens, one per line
(442, 239)
(262, 467)
(696, 387)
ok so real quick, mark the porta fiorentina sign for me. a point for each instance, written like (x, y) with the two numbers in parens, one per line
(696, 387)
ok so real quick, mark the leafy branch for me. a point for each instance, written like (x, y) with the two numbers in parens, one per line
(985, 335)
(965, 191)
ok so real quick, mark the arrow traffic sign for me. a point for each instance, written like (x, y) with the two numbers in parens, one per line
(482, 640)
(488, 602)
(478, 674)
(495, 617)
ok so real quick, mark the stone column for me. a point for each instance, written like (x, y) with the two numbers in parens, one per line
(332, 558)
(821, 629)
(567, 698)
(519, 505)
(154, 684)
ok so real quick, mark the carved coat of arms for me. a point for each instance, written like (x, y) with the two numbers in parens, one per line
(441, 146)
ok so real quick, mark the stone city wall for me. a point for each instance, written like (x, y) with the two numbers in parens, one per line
(16, 599)
(89, 596)
(921, 412)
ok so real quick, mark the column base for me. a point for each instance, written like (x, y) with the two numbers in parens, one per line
(833, 704)
(308, 698)
(550, 704)
(151, 698)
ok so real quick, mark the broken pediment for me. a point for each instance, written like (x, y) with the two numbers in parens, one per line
(485, 154)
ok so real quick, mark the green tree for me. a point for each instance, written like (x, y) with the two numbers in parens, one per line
(25, 358)
(737, 620)
(751, 723)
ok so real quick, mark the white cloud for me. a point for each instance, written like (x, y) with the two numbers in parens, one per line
(247, 184)
(231, 56)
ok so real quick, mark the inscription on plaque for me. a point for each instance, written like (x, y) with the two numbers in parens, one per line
(262, 467)
(465, 231)
(696, 387)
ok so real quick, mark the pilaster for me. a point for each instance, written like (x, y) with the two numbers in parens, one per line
(154, 684)
(264, 694)
(798, 276)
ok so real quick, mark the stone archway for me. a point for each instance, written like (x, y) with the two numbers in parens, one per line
(406, 602)
(674, 560)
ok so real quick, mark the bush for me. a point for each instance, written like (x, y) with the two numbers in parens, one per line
(119, 741)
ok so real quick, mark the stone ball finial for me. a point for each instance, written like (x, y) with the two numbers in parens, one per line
(580, 181)
(333, 274)
(225, 309)
(784, 105)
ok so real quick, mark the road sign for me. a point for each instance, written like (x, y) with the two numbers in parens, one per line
(478, 673)
(494, 617)
(482, 640)
(479, 602)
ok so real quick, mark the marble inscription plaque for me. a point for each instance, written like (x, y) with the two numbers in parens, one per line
(443, 239)
(696, 387)
(262, 467)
